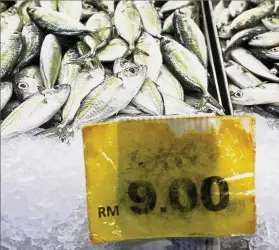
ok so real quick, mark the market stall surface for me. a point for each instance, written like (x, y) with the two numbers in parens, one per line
(43, 197)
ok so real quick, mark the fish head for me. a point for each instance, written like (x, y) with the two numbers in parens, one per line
(25, 89)
(233, 89)
(273, 50)
(133, 74)
(167, 43)
(35, 12)
(244, 96)
(257, 40)
(58, 93)
(225, 32)
(121, 64)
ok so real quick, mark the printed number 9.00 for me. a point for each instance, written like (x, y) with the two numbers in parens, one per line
(143, 193)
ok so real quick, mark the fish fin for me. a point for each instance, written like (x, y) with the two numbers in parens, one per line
(136, 50)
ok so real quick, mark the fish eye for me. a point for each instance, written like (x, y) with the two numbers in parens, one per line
(196, 105)
(55, 87)
(256, 38)
(238, 94)
(132, 70)
(23, 85)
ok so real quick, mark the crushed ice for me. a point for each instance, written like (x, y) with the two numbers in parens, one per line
(43, 203)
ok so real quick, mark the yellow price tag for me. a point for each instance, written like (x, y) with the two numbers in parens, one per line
(178, 177)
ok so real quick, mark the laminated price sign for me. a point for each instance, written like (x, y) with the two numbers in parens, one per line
(176, 177)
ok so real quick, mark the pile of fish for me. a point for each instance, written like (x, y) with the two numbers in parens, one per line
(249, 37)
(67, 63)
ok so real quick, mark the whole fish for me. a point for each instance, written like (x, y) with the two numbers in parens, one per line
(69, 70)
(27, 82)
(10, 22)
(273, 53)
(49, 5)
(6, 93)
(244, 36)
(87, 10)
(71, 8)
(185, 66)
(149, 99)
(271, 23)
(9, 108)
(223, 19)
(189, 34)
(168, 23)
(150, 19)
(241, 76)
(107, 6)
(170, 6)
(50, 60)
(168, 84)
(251, 18)
(263, 94)
(153, 57)
(237, 7)
(86, 80)
(57, 23)
(35, 111)
(247, 60)
(267, 39)
(32, 39)
(116, 48)
(127, 21)
(121, 64)
(100, 25)
(10, 53)
(110, 97)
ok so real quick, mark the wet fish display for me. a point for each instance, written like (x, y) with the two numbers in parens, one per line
(65, 64)
(251, 51)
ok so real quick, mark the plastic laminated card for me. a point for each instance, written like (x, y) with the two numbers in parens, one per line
(170, 177)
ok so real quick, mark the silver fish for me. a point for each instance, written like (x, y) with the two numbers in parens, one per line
(243, 36)
(6, 93)
(237, 7)
(168, 84)
(69, 70)
(57, 23)
(35, 111)
(263, 94)
(273, 53)
(168, 23)
(170, 6)
(116, 48)
(185, 66)
(250, 18)
(127, 21)
(223, 19)
(150, 19)
(189, 34)
(149, 99)
(271, 23)
(9, 108)
(247, 60)
(71, 8)
(100, 25)
(121, 64)
(86, 80)
(241, 76)
(10, 53)
(153, 57)
(27, 82)
(267, 39)
(50, 60)
(32, 42)
(111, 96)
